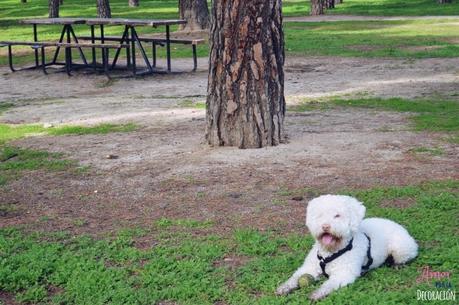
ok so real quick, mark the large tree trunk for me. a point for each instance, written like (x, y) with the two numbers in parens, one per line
(245, 94)
(53, 7)
(317, 7)
(196, 13)
(103, 9)
(133, 3)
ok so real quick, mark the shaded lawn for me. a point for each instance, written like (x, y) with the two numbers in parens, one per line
(398, 39)
(430, 115)
(404, 39)
(378, 8)
(188, 264)
(15, 161)
(363, 38)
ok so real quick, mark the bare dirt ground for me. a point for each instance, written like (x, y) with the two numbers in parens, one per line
(166, 170)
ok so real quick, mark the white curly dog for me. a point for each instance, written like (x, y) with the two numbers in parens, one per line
(347, 245)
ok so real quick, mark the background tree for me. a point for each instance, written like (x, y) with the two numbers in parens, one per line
(196, 13)
(23, 1)
(444, 1)
(329, 4)
(53, 8)
(245, 100)
(103, 9)
(133, 3)
(317, 7)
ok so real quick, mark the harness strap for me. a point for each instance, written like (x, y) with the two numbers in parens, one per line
(370, 259)
(324, 261)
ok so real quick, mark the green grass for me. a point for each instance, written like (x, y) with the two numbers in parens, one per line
(191, 104)
(378, 8)
(5, 106)
(12, 132)
(434, 151)
(241, 268)
(431, 115)
(98, 129)
(399, 39)
(364, 38)
(14, 161)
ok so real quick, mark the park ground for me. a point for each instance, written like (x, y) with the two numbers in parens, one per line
(110, 195)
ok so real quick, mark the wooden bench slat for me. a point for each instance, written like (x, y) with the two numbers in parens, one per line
(149, 39)
(26, 43)
(62, 44)
(90, 45)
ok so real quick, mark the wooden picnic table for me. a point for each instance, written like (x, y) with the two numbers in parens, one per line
(67, 32)
(129, 36)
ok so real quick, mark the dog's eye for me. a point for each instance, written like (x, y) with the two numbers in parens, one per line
(337, 216)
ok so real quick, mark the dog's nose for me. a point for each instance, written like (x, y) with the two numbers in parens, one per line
(326, 227)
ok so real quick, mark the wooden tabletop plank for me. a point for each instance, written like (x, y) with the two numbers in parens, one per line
(53, 21)
(133, 22)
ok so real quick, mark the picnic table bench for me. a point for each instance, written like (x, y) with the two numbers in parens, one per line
(41, 45)
(156, 41)
(128, 41)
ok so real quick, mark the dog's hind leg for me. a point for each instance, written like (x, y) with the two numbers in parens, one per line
(403, 248)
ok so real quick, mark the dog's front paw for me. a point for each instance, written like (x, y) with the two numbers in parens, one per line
(284, 289)
(317, 295)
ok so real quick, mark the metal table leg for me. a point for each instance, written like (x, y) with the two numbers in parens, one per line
(83, 58)
(102, 40)
(124, 39)
(56, 53)
(134, 68)
(142, 50)
(93, 50)
(168, 48)
(35, 39)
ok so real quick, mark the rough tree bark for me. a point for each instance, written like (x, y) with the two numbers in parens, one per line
(53, 8)
(245, 100)
(329, 4)
(196, 13)
(133, 3)
(317, 7)
(103, 9)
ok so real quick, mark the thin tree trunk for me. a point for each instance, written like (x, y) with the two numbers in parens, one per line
(245, 94)
(103, 9)
(444, 1)
(330, 4)
(196, 13)
(23, 1)
(53, 7)
(61, 2)
(133, 3)
(317, 7)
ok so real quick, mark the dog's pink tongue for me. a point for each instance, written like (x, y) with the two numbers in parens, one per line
(327, 239)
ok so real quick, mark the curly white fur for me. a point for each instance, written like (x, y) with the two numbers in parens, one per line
(334, 221)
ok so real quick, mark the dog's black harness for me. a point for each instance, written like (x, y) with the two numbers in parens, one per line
(324, 261)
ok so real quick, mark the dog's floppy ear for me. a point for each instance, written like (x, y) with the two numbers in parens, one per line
(356, 213)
